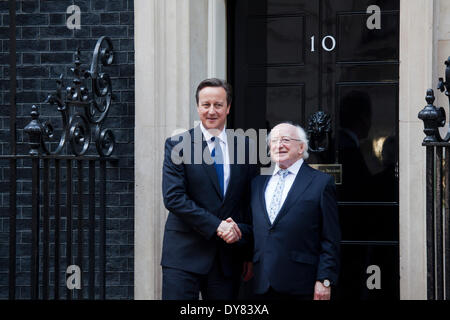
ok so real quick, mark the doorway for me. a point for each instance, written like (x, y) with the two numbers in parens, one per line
(289, 59)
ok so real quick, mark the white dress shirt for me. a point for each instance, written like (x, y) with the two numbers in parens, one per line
(288, 182)
(224, 146)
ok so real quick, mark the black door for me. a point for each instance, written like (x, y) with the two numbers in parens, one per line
(289, 59)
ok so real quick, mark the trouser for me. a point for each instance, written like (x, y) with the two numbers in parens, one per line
(179, 284)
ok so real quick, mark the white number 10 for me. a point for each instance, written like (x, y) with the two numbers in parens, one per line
(324, 45)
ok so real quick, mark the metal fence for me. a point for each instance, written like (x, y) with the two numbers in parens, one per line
(437, 194)
(66, 180)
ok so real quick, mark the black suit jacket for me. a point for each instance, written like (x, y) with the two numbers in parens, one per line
(196, 206)
(302, 245)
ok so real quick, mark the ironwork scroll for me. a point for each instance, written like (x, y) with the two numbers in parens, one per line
(90, 109)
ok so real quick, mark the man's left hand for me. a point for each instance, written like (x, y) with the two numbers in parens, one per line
(321, 292)
(230, 232)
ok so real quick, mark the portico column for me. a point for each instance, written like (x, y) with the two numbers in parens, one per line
(417, 73)
(171, 57)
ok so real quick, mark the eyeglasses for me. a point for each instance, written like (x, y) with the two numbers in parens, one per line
(283, 140)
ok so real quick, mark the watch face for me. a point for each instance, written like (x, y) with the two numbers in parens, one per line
(326, 283)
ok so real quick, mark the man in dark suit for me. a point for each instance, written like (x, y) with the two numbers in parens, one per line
(206, 186)
(295, 223)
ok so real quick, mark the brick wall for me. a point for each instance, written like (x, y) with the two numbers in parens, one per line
(45, 49)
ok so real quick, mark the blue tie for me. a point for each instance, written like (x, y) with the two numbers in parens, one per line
(218, 161)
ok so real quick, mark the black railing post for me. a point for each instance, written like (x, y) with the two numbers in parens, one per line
(34, 131)
(57, 225)
(438, 226)
(430, 224)
(12, 228)
(102, 254)
(91, 230)
(68, 220)
(35, 229)
(13, 162)
(46, 232)
(446, 222)
(80, 226)
(438, 193)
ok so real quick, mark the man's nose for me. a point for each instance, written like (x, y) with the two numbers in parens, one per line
(274, 145)
(279, 144)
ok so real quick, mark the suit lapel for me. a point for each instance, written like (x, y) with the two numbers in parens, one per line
(234, 167)
(262, 196)
(301, 183)
(207, 161)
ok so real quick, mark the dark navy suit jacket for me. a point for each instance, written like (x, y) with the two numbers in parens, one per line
(302, 245)
(196, 206)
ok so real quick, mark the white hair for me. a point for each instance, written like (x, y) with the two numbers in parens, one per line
(301, 136)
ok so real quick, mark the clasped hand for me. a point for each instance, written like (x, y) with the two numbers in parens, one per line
(229, 231)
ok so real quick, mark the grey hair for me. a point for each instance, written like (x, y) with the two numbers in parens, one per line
(301, 136)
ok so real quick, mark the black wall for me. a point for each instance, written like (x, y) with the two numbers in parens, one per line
(45, 49)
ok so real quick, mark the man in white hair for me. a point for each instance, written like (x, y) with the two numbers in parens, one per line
(295, 223)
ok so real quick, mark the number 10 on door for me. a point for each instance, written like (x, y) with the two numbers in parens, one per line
(328, 43)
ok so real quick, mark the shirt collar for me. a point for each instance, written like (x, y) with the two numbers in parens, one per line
(222, 136)
(294, 168)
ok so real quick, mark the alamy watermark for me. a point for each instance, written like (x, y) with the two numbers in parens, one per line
(74, 277)
(240, 152)
(374, 280)
(74, 20)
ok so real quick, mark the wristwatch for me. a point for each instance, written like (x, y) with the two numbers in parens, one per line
(326, 283)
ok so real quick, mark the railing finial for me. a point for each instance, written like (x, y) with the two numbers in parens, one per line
(34, 130)
(433, 118)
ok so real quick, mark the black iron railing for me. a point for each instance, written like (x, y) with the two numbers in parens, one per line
(59, 161)
(438, 194)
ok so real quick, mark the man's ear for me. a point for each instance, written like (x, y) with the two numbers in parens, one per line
(302, 148)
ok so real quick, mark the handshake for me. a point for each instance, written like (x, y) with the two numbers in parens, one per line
(229, 231)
